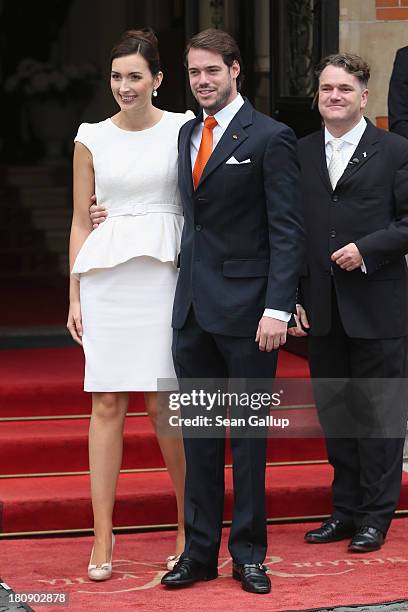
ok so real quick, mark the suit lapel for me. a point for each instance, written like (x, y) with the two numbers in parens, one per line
(366, 148)
(322, 162)
(233, 137)
(187, 170)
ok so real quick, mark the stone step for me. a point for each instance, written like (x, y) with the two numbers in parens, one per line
(52, 219)
(35, 214)
(25, 235)
(45, 198)
(27, 260)
(57, 241)
(40, 273)
(38, 175)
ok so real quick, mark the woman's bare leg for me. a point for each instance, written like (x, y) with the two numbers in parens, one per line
(173, 454)
(105, 458)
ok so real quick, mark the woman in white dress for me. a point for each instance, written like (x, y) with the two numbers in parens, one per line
(124, 273)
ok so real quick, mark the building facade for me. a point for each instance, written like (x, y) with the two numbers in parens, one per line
(280, 40)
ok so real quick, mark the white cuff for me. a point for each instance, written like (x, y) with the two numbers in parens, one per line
(281, 315)
(363, 267)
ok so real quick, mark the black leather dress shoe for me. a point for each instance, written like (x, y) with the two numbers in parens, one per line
(186, 571)
(252, 577)
(367, 539)
(331, 530)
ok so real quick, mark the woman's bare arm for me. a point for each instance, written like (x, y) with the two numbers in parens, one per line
(81, 227)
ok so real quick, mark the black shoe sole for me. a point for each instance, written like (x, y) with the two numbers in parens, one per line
(363, 549)
(338, 539)
(182, 583)
(237, 576)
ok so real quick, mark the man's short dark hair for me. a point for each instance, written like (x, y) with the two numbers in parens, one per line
(220, 42)
(354, 64)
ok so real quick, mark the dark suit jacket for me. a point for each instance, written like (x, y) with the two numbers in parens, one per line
(398, 94)
(369, 207)
(242, 241)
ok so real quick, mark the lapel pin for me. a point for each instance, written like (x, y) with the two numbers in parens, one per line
(364, 154)
(235, 137)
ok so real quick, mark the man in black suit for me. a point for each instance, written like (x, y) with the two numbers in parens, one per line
(354, 299)
(240, 257)
(398, 94)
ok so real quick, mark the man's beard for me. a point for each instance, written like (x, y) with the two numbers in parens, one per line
(220, 101)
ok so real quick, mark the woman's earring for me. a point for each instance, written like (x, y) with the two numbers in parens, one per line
(154, 94)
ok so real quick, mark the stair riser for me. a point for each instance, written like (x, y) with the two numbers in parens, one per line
(66, 399)
(140, 452)
(157, 509)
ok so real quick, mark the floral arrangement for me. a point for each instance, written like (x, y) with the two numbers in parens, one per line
(41, 80)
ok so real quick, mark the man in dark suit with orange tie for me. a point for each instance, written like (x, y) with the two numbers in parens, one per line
(354, 300)
(240, 257)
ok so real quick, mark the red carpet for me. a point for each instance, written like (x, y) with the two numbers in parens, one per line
(45, 457)
(303, 576)
(143, 499)
(147, 499)
(66, 441)
(50, 381)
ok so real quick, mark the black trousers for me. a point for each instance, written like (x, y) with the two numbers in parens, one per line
(200, 354)
(367, 470)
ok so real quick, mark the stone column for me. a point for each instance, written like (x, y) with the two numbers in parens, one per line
(262, 58)
(376, 41)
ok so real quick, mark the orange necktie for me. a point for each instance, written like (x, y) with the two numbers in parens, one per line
(205, 150)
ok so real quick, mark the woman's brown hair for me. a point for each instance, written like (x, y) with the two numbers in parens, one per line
(143, 41)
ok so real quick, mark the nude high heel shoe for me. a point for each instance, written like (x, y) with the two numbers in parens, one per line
(171, 561)
(101, 572)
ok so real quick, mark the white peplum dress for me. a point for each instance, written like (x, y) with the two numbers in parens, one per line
(127, 267)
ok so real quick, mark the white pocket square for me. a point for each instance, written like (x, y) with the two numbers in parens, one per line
(233, 160)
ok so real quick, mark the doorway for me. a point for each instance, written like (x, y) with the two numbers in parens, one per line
(302, 32)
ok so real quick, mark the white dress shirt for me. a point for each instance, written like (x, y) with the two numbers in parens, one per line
(224, 118)
(350, 142)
